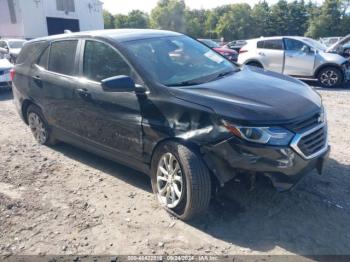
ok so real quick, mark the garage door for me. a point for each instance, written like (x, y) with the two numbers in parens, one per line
(58, 25)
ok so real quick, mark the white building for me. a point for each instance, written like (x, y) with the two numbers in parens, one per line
(35, 18)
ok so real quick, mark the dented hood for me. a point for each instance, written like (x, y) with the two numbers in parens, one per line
(254, 96)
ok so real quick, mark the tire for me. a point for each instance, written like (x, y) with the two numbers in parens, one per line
(39, 126)
(256, 64)
(330, 77)
(195, 184)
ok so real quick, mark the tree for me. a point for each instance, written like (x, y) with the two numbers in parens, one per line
(195, 21)
(108, 19)
(169, 15)
(137, 19)
(236, 23)
(121, 21)
(280, 18)
(261, 19)
(329, 22)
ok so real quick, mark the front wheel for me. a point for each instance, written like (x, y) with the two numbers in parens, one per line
(180, 180)
(330, 77)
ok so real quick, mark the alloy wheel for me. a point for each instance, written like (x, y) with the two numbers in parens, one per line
(329, 77)
(169, 181)
(38, 127)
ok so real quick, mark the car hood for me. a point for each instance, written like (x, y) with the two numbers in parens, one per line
(335, 47)
(254, 96)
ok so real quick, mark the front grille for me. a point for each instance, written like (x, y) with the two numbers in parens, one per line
(305, 124)
(314, 142)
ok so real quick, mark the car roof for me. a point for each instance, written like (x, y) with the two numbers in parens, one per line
(119, 35)
(277, 37)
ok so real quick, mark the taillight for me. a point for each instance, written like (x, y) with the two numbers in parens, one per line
(241, 51)
(12, 74)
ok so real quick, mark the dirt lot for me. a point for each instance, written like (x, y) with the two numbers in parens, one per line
(62, 200)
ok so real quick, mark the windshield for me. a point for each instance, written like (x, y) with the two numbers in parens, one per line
(179, 61)
(209, 43)
(315, 44)
(16, 44)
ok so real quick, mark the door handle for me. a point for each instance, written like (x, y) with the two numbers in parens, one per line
(84, 93)
(261, 53)
(38, 81)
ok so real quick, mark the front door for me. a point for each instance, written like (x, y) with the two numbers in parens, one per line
(299, 58)
(111, 119)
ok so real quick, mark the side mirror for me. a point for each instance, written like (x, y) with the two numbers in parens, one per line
(118, 84)
(306, 49)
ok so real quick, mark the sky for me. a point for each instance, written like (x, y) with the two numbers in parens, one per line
(125, 6)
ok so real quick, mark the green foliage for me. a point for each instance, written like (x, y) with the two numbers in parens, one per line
(241, 21)
(135, 19)
(108, 19)
(169, 15)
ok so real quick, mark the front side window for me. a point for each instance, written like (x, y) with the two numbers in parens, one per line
(62, 57)
(102, 61)
(178, 60)
(294, 45)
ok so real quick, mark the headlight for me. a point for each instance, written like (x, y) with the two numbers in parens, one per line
(277, 136)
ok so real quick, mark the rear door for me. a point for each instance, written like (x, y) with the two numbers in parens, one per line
(299, 58)
(271, 54)
(55, 78)
(110, 119)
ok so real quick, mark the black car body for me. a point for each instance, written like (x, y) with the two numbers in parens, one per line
(242, 121)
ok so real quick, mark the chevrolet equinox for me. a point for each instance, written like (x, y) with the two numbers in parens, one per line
(169, 106)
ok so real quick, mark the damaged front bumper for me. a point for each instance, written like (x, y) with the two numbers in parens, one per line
(282, 165)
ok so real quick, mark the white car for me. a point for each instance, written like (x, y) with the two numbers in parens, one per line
(5, 76)
(11, 48)
(300, 57)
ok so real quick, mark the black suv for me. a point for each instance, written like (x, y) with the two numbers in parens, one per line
(169, 106)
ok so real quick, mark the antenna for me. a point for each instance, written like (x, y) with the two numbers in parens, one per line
(67, 31)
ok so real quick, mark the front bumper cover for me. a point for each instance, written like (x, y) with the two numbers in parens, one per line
(284, 166)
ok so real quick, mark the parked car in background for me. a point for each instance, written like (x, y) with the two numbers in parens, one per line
(342, 47)
(11, 48)
(231, 55)
(192, 121)
(236, 45)
(296, 56)
(5, 72)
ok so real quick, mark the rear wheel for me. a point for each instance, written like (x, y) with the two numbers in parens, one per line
(330, 77)
(180, 180)
(39, 126)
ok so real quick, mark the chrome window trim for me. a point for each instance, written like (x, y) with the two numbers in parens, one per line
(298, 137)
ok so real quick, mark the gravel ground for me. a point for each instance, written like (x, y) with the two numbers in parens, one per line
(62, 200)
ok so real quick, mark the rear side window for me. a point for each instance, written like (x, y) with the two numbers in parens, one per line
(62, 57)
(102, 61)
(30, 52)
(276, 44)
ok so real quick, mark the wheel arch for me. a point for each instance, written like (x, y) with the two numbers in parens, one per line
(25, 104)
(215, 179)
(323, 66)
(253, 60)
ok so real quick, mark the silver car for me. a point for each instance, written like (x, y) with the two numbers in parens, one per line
(301, 57)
